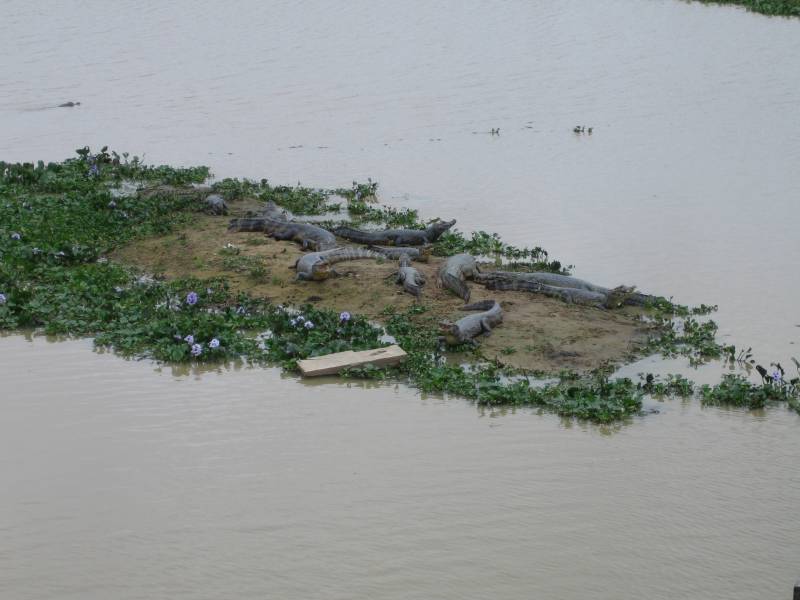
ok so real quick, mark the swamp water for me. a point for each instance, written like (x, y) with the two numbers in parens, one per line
(121, 480)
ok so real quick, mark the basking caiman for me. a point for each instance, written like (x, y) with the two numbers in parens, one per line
(215, 205)
(411, 279)
(466, 329)
(420, 254)
(316, 266)
(565, 287)
(397, 237)
(276, 212)
(309, 236)
(454, 273)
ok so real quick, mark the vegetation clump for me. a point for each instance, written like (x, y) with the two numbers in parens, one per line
(59, 221)
(785, 8)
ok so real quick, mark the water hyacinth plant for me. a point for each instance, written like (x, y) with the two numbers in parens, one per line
(56, 230)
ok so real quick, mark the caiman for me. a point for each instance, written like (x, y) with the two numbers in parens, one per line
(565, 287)
(309, 236)
(316, 266)
(411, 279)
(419, 253)
(454, 273)
(396, 237)
(466, 329)
(276, 212)
(215, 205)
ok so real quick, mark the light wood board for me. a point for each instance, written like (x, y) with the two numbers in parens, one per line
(334, 363)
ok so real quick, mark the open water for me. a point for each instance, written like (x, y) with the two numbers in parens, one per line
(123, 480)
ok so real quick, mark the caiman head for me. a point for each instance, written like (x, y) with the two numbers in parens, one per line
(438, 228)
(618, 296)
(320, 271)
(311, 267)
(449, 333)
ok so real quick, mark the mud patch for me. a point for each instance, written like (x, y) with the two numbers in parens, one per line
(538, 333)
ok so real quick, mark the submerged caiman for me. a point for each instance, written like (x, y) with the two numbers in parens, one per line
(309, 236)
(396, 237)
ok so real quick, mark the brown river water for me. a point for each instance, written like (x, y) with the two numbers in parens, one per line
(121, 479)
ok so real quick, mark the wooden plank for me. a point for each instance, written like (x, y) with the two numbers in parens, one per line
(338, 361)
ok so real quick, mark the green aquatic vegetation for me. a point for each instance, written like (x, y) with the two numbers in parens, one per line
(364, 192)
(299, 200)
(736, 390)
(687, 337)
(596, 398)
(785, 8)
(59, 220)
(481, 243)
(673, 385)
(405, 218)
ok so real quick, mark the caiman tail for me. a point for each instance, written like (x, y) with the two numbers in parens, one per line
(342, 254)
(355, 235)
(482, 305)
(254, 223)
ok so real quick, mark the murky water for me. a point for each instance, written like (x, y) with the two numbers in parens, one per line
(124, 482)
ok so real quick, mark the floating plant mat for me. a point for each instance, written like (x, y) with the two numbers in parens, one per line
(104, 245)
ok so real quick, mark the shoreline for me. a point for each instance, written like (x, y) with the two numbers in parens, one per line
(150, 276)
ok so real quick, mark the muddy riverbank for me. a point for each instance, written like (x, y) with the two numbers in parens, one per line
(538, 333)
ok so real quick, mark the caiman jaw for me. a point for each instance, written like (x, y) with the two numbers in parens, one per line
(321, 272)
(448, 334)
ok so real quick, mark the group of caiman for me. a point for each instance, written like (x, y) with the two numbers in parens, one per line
(407, 245)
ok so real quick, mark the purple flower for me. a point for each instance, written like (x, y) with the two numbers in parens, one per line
(309, 325)
(94, 170)
(197, 350)
(191, 298)
(213, 343)
(3, 299)
(16, 236)
(344, 317)
(177, 336)
(293, 322)
(209, 291)
(300, 318)
(189, 339)
(112, 204)
(776, 376)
